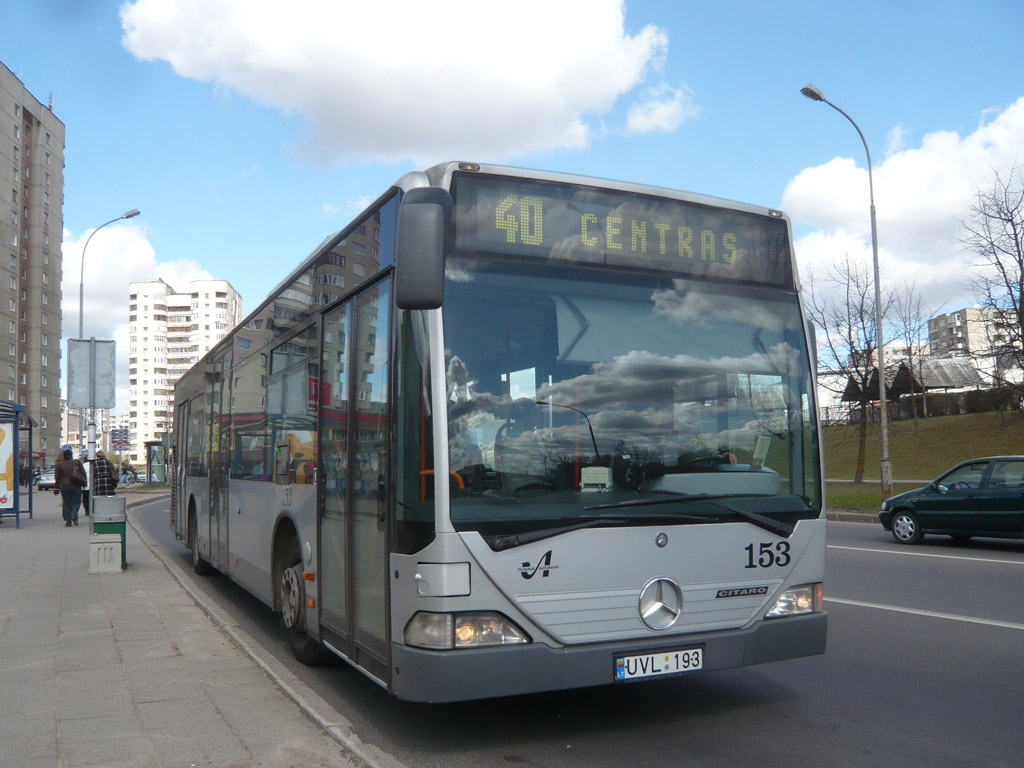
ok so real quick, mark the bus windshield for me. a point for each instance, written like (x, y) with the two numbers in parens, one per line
(572, 388)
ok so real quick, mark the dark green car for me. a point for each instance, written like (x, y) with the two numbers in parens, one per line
(980, 497)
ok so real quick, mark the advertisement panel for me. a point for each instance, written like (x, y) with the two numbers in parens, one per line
(7, 466)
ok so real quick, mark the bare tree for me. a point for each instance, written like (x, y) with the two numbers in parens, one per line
(842, 306)
(910, 324)
(994, 233)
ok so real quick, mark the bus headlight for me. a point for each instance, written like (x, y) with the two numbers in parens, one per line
(445, 631)
(807, 598)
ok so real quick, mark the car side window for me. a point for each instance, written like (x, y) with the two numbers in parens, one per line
(1007, 474)
(967, 477)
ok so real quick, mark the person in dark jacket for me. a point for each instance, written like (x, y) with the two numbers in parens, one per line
(70, 493)
(104, 475)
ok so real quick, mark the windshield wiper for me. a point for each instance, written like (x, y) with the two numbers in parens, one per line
(769, 524)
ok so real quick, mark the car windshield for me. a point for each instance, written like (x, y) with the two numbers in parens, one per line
(587, 387)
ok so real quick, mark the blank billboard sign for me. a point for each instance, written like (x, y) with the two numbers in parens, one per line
(91, 373)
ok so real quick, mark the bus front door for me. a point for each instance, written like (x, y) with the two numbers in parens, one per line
(353, 479)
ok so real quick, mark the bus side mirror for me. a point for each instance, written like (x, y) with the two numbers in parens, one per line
(419, 259)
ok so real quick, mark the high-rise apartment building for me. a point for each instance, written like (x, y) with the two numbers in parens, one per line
(967, 331)
(168, 332)
(31, 228)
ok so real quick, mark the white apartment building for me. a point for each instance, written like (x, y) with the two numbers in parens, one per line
(898, 350)
(31, 231)
(168, 332)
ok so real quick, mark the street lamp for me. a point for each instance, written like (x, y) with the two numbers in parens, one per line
(81, 278)
(81, 311)
(814, 94)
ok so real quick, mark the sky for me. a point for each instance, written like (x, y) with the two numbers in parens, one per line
(246, 131)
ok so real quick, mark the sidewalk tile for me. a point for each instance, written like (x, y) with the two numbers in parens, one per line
(126, 671)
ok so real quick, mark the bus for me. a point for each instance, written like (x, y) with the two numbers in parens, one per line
(513, 431)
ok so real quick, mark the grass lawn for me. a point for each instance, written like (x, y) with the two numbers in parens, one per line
(917, 459)
(861, 497)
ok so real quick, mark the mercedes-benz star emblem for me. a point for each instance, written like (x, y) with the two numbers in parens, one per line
(661, 602)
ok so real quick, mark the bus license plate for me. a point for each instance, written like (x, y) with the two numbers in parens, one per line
(657, 664)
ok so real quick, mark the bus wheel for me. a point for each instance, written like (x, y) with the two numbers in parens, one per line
(199, 565)
(293, 609)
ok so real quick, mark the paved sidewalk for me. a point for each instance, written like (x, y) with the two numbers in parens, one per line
(125, 669)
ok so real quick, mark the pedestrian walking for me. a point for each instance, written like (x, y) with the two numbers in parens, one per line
(69, 477)
(85, 489)
(104, 475)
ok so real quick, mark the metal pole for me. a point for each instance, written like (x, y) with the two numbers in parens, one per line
(92, 398)
(81, 321)
(886, 466)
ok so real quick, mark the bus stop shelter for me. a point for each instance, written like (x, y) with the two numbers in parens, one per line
(16, 433)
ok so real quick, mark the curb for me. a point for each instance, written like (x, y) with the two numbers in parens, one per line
(846, 516)
(338, 729)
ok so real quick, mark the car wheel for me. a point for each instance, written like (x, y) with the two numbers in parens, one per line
(905, 528)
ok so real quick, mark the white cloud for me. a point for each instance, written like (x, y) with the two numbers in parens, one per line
(921, 194)
(409, 79)
(358, 204)
(661, 108)
(116, 256)
(896, 140)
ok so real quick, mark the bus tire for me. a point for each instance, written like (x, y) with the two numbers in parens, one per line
(293, 608)
(199, 565)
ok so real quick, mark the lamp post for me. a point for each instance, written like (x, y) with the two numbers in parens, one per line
(81, 320)
(886, 467)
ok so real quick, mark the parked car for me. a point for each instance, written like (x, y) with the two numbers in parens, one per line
(979, 497)
(45, 481)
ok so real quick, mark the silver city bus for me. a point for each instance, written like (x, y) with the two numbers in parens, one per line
(516, 431)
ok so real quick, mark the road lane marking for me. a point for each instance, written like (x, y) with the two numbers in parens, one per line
(927, 554)
(928, 614)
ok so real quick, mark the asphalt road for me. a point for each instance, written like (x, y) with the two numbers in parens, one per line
(924, 667)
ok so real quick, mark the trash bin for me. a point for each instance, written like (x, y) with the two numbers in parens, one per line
(110, 515)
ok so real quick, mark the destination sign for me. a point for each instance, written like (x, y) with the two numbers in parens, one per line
(581, 224)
